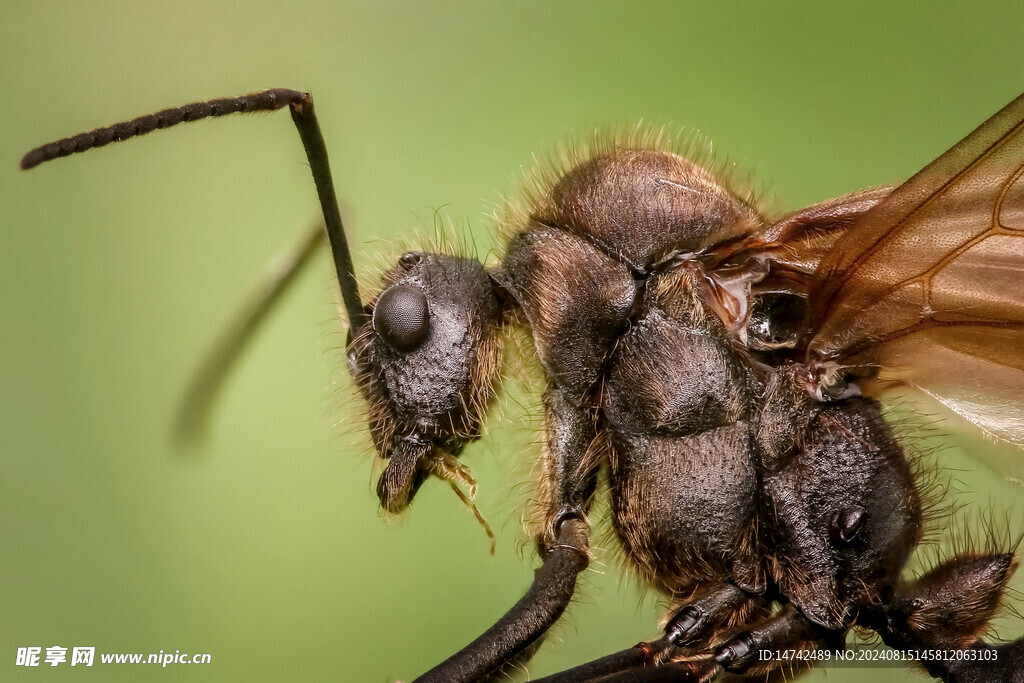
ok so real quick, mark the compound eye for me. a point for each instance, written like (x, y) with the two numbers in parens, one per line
(401, 317)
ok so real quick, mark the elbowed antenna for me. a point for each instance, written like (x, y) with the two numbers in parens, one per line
(301, 106)
(211, 376)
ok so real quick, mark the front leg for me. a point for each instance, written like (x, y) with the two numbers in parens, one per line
(570, 475)
(939, 620)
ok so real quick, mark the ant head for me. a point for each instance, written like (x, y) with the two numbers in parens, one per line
(427, 360)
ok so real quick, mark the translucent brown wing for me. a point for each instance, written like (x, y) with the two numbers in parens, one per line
(927, 287)
(781, 257)
(796, 244)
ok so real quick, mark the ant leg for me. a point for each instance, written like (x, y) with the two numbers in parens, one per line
(711, 607)
(637, 657)
(788, 630)
(568, 442)
(690, 671)
(946, 610)
(543, 604)
(638, 664)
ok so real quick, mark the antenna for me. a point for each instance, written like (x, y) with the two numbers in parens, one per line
(301, 107)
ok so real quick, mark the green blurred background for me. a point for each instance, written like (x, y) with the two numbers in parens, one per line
(119, 267)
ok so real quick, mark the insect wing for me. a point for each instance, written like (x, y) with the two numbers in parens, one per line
(796, 244)
(928, 286)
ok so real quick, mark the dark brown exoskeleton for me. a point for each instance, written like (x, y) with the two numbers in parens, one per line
(723, 369)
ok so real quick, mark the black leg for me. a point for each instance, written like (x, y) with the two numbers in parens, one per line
(694, 670)
(635, 657)
(692, 624)
(940, 618)
(562, 536)
(709, 609)
(788, 630)
(543, 604)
